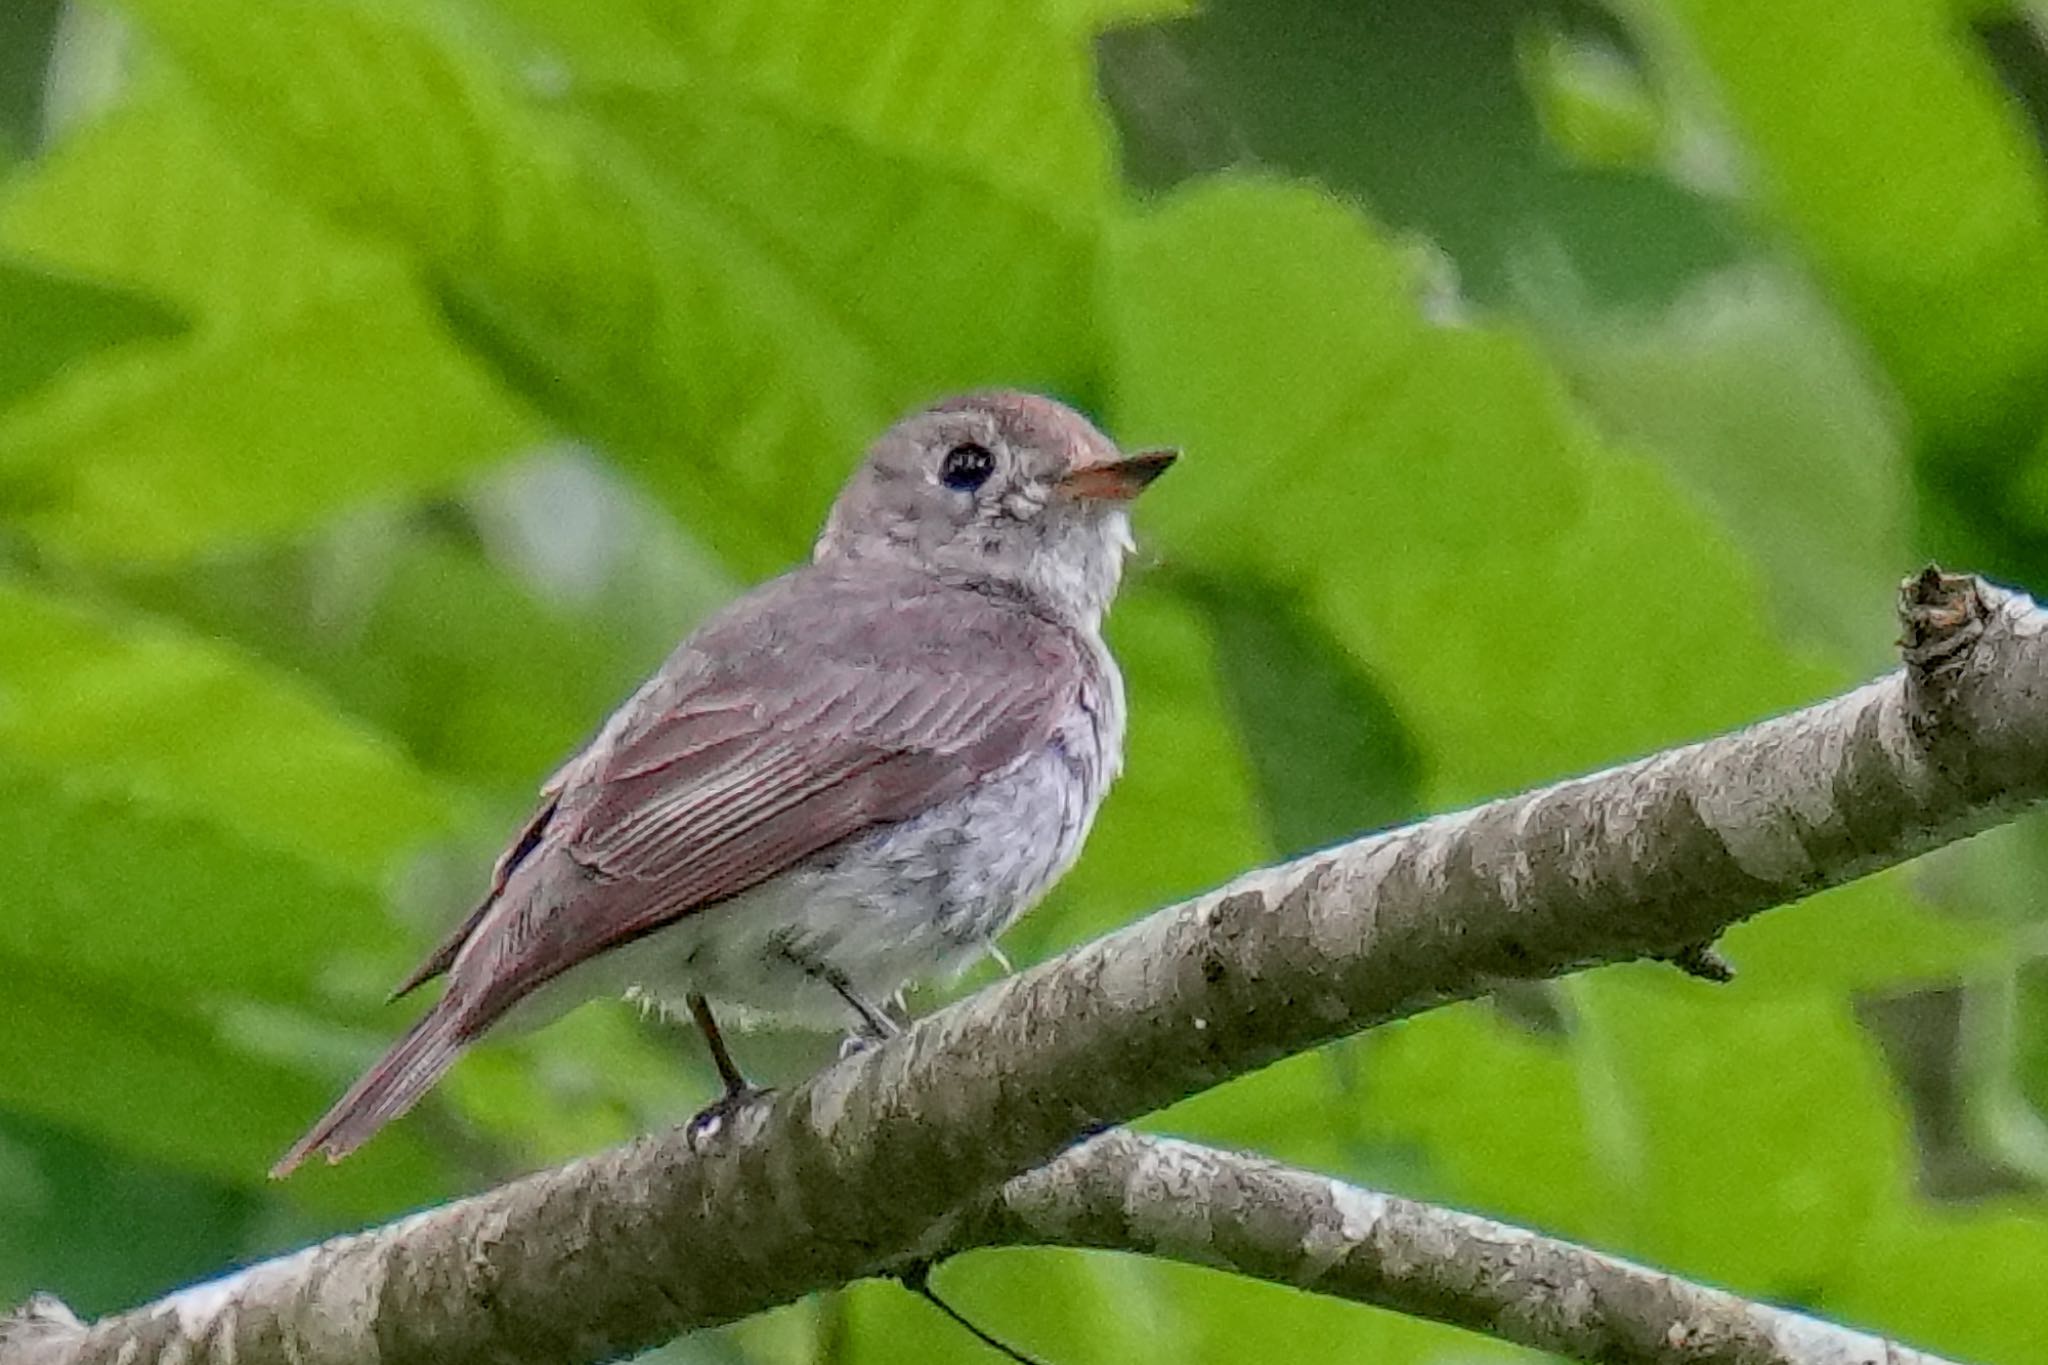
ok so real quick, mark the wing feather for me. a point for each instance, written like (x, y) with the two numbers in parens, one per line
(801, 720)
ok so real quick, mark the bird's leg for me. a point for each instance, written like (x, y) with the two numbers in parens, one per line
(728, 1071)
(738, 1090)
(876, 1025)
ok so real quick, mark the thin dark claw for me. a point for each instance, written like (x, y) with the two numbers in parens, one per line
(710, 1121)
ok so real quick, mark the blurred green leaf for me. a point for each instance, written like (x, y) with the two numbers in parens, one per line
(1806, 471)
(619, 304)
(1758, 1140)
(1871, 933)
(27, 29)
(54, 319)
(65, 1199)
(183, 829)
(1909, 182)
(1329, 751)
(886, 243)
(696, 248)
(1533, 603)
(1003, 94)
(315, 373)
(1421, 112)
(1590, 99)
(2030, 1030)
(162, 902)
(482, 684)
(1503, 1118)
(1304, 1110)
(1087, 16)
(164, 1085)
(1231, 1319)
(134, 710)
(1960, 1281)
(1113, 1317)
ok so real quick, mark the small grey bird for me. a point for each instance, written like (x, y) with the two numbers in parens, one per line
(858, 773)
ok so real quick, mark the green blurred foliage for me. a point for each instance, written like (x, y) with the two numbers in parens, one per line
(385, 387)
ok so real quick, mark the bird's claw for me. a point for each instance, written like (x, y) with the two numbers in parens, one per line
(711, 1120)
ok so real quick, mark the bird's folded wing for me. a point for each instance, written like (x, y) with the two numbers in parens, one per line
(727, 778)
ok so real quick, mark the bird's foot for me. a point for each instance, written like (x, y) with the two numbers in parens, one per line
(712, 1119)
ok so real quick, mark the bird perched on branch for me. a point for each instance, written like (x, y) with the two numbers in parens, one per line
(858, 773)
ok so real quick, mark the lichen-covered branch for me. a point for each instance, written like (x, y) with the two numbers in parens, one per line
(827, 1181)
(1123, 1191)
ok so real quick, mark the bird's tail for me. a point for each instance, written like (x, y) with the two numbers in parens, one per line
(386, 1090)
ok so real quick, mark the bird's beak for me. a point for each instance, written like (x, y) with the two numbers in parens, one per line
(1119, 479)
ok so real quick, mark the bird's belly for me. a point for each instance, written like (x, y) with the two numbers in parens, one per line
(922, 897)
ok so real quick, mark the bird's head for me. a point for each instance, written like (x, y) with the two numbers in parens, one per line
(1004, 488)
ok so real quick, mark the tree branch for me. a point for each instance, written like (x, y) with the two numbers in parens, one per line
(1124, 1191)
(830, 1180)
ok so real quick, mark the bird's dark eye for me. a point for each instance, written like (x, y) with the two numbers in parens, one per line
(967, 467)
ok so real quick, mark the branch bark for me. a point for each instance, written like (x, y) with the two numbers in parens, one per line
(835, 1178)
(1125, 1191)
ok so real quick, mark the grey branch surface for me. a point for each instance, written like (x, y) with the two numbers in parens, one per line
(1124, 1191)
(839, 1177)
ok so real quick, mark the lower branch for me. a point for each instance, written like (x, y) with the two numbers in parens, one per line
(1124, 1191)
